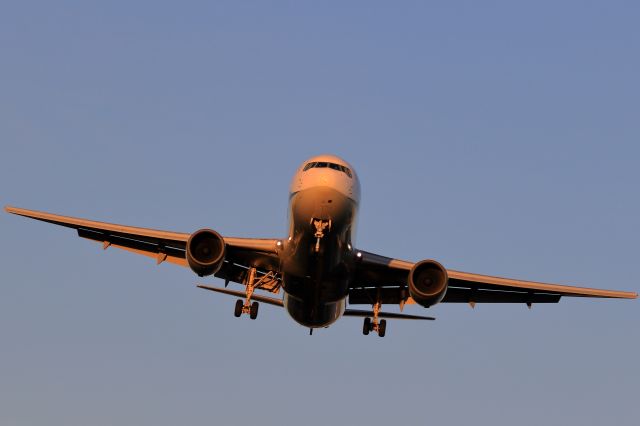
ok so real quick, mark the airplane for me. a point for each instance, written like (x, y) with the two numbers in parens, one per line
(317, 265)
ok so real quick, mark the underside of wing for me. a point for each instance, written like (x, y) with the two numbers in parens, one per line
(487, 284)
(242, 253)
(386, 279)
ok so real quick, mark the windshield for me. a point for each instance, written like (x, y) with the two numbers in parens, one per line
(324, 164)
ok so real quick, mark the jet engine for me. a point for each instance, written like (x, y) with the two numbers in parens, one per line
(428, 282)
(205, 252)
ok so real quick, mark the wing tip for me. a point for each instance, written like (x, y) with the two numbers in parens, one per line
(16, 210)
(19, 211)
(625, 295)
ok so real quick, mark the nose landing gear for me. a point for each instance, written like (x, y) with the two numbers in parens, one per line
(370, 324)
(320, 225)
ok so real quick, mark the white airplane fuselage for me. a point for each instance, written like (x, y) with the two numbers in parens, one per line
(318, 254)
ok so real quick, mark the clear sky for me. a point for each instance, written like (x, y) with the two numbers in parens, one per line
(496, 137)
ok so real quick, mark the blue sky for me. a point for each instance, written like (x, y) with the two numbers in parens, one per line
(495, 137)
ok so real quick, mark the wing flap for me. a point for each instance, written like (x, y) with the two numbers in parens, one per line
(465, 295)
(397, 296)
(156, 251)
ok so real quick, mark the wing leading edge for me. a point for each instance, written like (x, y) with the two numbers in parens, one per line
(168, 246)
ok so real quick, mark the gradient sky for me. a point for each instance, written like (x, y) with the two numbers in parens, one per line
(495, 137)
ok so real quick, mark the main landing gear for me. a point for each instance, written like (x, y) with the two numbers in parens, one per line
(246, 307)
(370, 324)
(240, 309)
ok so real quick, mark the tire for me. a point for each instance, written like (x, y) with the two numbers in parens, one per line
(382, 328)
(366, 327)
(238, 311)
(253, 312)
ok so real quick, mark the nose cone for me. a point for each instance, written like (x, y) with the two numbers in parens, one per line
(322, 202)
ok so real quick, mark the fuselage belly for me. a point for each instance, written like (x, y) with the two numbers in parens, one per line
(317, 258)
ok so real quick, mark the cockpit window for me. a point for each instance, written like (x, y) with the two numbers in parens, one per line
(323, 164)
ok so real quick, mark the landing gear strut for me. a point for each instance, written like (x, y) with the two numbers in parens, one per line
(246, 307)
(369, 325)
(321, 226)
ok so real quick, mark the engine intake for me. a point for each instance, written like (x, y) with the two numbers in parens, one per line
(428, 282)
(205, 252)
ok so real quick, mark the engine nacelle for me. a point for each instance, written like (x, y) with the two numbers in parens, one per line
(428, 282)
(205, 252)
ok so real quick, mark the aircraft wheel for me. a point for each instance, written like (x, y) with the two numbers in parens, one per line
(253, 312)
(382, 328)
(366, 328)
(238, 311)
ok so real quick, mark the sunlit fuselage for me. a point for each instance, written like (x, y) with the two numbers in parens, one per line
(318, 255)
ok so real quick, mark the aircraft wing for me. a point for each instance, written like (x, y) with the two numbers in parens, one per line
(242, 253)
(386, 278)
